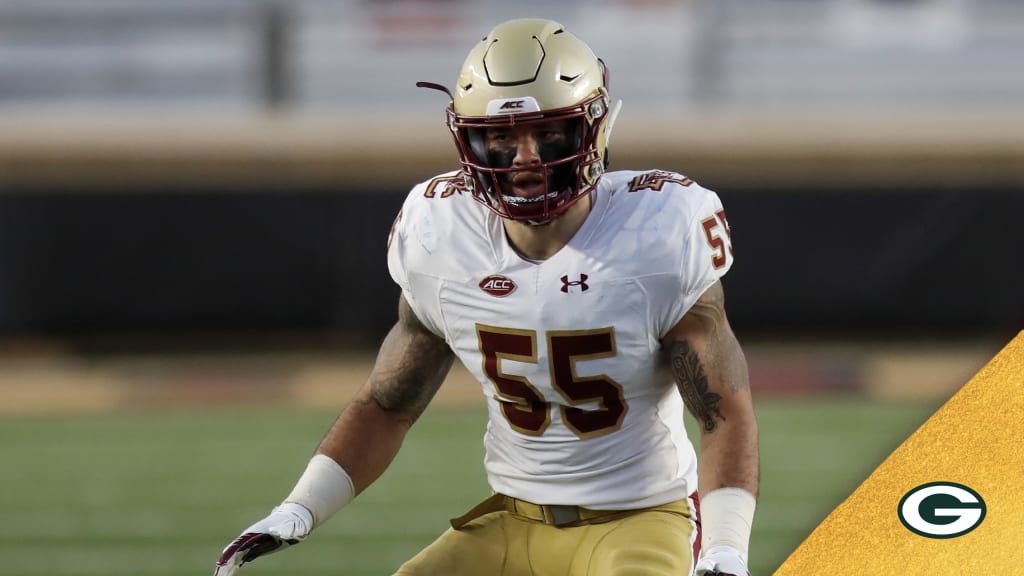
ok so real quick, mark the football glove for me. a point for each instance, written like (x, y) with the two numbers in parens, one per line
(722, 561)
(286, 525)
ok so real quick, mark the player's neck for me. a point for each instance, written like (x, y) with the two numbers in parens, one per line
(543, 242)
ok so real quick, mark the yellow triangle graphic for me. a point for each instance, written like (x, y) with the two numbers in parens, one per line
(976, 440)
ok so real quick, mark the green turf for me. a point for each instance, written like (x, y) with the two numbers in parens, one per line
(161, 492)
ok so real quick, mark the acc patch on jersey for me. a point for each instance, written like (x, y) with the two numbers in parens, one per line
(497, 285)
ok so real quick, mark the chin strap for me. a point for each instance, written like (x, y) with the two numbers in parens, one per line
(435, 86)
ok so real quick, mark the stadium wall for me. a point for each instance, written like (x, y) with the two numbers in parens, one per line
(903, 227)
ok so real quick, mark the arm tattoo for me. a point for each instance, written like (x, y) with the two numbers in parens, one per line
(693, 384)
(411, 367)
(411, 384)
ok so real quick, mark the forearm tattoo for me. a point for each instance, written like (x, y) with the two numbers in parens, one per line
(693, 385)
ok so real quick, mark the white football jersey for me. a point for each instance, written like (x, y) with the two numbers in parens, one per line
(581, 410)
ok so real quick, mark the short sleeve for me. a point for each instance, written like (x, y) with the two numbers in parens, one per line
(396, 248)
(706, 255)
(404, 250)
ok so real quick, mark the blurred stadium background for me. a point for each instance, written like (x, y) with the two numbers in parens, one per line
(195, 197)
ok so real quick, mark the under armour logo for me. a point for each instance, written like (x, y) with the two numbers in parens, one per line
(582, 283)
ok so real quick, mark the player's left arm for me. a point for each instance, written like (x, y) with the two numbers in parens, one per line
(710, 370)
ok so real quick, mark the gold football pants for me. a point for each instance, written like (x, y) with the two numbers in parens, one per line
(503, 536)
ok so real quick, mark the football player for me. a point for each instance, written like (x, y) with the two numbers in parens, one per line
(590, 308)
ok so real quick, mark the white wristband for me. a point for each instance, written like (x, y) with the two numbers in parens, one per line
(324, 488)
(726, 516)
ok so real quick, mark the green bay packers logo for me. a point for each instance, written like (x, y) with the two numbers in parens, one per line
(941, 510)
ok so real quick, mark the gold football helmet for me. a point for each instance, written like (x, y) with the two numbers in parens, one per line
(527, 72)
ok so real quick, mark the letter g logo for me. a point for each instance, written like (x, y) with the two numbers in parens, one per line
(941, 510)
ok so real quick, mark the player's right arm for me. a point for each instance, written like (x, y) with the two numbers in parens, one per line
(411, 365)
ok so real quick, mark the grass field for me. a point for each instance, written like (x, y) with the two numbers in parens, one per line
(160, 492)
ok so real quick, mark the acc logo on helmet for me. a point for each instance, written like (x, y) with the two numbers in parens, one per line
(512, 105)
(941, 510)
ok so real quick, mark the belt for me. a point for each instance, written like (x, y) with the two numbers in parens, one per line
(553, 514)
